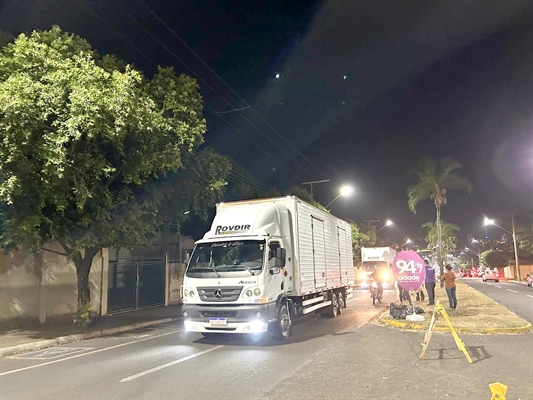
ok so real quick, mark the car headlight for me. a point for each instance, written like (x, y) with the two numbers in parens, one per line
(248, 293)
(257, 292)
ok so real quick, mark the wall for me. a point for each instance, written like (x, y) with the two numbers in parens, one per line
(175, 273)
(510, 271)
(41, 285)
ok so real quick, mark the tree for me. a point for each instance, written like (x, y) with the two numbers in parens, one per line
(448, 234)
(85, 140)
(362, 236)
(494, 259)
(434, 179)
(305, 195)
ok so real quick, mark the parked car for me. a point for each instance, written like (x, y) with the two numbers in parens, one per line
(491, 275)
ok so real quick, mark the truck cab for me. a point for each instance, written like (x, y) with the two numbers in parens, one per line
(239, 272)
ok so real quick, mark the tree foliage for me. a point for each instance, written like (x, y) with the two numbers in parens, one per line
(362, 236)
(494, 259)
(448, 232)
(524, 237)
(85, 140)
(434, 180)
(306, 196)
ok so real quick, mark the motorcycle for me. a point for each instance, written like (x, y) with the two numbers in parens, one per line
(376, 292)
(529, 281)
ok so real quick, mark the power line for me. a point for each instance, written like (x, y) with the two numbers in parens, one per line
(210, 87)
(209, 108)
(230, 111)
(229, 87)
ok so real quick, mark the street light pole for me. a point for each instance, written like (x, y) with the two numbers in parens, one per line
(515, 250)
(388, 223)
(339, 195)
(513, 234)
(344, 191)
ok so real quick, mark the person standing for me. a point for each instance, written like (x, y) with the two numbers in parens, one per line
(449, 285)
(430, 282)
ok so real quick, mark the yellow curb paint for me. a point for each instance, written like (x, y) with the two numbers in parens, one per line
(406, 325)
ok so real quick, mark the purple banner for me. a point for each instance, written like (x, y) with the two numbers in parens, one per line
(408, 270)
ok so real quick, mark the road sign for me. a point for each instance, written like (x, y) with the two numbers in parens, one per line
(408, 270)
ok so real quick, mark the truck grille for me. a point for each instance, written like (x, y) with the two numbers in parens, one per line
(210, 314)
(219, 294)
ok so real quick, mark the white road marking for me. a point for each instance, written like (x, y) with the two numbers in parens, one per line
(355, 298)
(86, 354)
(499, 287)
(149, 371)
(528, 295)
(514, 291)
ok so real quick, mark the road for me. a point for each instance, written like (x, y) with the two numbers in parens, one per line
(343, 358)
(514, 296)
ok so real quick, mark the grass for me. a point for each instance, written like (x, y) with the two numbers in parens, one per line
(475, 313)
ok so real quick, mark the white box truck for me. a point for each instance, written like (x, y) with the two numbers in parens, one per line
(376, 257)
(264, 263)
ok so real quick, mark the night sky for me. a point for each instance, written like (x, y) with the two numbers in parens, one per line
(365, 89)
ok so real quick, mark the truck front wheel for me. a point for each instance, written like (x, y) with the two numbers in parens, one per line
(282, 326)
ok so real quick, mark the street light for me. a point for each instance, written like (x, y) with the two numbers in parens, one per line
(472, 258)
(388, 223)
(488, 221)
(344, 191)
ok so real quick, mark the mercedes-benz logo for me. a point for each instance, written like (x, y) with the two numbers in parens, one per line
(217, 294)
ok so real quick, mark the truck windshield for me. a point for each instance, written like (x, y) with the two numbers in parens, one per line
(218, 258)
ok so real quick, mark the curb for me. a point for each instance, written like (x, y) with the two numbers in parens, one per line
(417, 327)
(42, 344)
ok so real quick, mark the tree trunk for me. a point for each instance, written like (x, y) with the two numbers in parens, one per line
(83, 268)
(439, 244)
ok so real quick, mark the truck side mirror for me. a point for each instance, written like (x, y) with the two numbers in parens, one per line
(281, 255)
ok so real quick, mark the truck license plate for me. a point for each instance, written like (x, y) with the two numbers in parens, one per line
(218, 321)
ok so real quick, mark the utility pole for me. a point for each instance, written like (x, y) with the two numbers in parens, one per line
(311, 183)
(515, 250)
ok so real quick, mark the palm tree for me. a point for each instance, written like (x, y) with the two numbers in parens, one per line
(448, 234)
(434, 179)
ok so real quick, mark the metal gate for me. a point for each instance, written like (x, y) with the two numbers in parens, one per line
(135, 284)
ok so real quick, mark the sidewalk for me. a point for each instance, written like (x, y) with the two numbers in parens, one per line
(475, 313)
(18, 336)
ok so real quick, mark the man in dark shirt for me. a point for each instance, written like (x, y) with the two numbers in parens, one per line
(430, 282)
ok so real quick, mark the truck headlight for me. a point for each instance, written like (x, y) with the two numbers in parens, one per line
(185, 292)
(248, 293)
(191, 293)
(257, 292)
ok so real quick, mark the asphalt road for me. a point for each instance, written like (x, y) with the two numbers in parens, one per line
(514, 296)
(348, 357)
